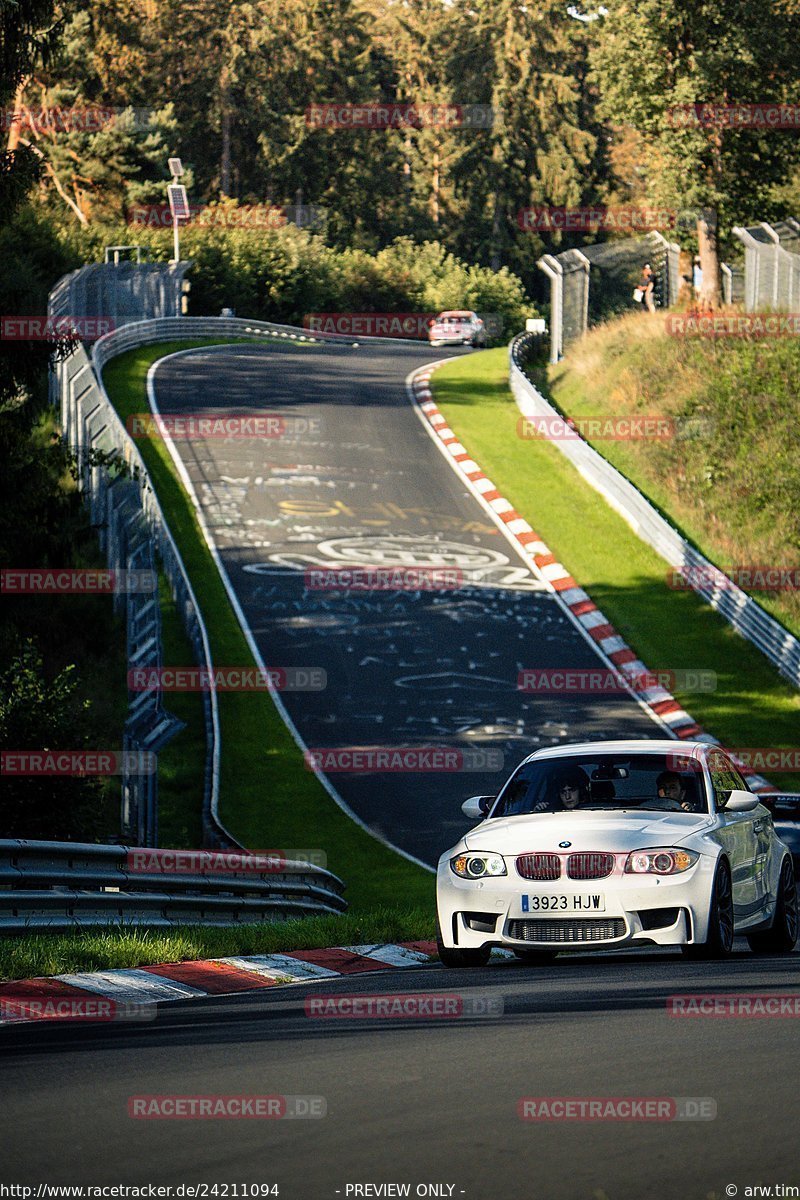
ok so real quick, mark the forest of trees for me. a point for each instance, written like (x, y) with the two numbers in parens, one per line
(580, 106)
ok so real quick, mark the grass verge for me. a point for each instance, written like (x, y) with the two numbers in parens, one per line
(51, 954)
(729, 477)
(752, 706)
(268, 799)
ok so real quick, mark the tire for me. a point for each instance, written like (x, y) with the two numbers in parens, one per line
(450, 957)
(782, 937)
(538, 958)
(719, 942)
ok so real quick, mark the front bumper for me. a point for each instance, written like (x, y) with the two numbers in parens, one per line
(658, 910)
(450, 339)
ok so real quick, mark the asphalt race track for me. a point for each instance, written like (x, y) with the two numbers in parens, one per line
(354, 479)
(408, 1105)
(427, 1101)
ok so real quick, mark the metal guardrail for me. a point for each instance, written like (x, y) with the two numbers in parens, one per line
(143, 333)
(131, 526)
(132, 531)
(55, 886)
(742, 612)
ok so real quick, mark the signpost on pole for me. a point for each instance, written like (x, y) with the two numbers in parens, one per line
(178, 204)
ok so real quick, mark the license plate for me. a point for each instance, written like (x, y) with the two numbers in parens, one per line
(578, 902)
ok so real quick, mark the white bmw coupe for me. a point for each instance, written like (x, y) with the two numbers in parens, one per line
(607, 844)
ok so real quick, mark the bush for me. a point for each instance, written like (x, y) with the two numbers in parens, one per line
(285, 274)
(41, 714)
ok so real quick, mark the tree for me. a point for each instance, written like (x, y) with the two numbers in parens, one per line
(37, 714)
(653, 62)
(529, 62)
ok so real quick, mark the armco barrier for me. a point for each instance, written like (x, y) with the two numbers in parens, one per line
(124, 507)
(143, 333)
(132, 527)
(56, 886)
(746, 616)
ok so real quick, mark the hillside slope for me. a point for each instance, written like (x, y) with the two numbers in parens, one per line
(729, 476)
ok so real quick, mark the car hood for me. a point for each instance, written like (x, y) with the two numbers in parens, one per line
(585, 831)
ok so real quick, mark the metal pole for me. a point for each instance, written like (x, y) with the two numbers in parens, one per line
(175, 240)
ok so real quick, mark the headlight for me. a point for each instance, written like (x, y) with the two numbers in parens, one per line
(477, 866)
(668, 861)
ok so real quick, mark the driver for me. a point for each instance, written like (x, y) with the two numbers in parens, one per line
(572, 789)
(671, 787)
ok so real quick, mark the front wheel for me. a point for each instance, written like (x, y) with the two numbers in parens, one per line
(782, 937)
(451, 957)
(719, 942)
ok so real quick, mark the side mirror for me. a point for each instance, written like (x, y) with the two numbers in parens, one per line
(741, 801)
(477, 807)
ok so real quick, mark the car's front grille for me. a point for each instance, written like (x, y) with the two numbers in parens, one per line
(539, 866)
(590, 865)
(567, 931)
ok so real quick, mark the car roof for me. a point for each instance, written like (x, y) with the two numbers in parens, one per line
(455, 312)
(631, 746)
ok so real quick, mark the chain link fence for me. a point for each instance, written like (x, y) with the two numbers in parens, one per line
(771, 266)
(131, 528)
(120, 291)
(132, 531)
(596, 282)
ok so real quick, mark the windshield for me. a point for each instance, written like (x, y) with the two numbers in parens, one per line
(613, 782)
